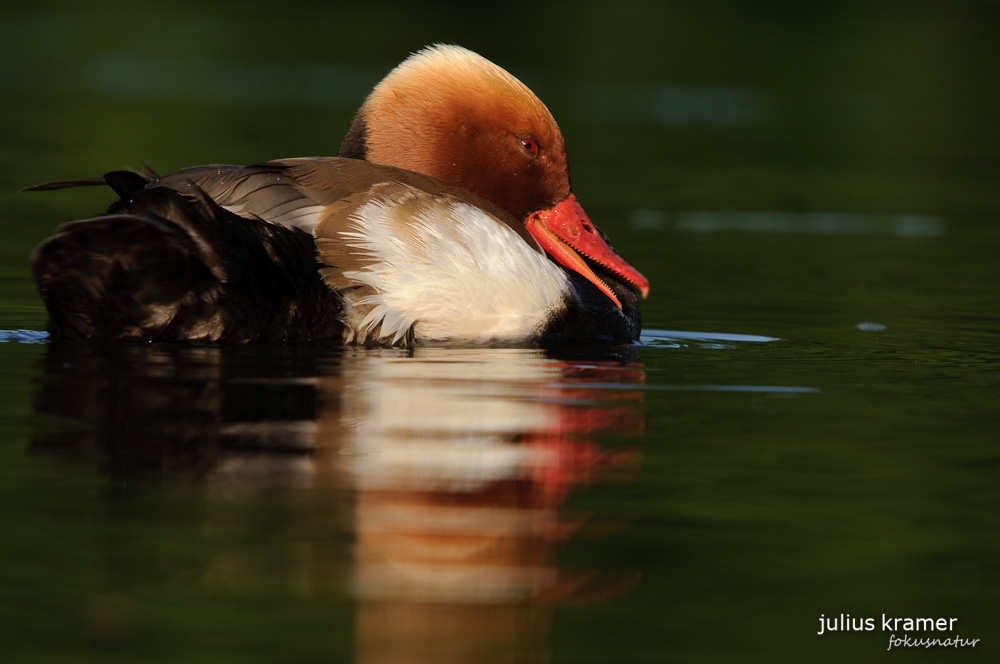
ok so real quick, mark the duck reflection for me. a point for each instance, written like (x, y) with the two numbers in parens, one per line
(454, 463)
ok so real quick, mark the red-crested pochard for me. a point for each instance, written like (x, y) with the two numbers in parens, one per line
(448, 216)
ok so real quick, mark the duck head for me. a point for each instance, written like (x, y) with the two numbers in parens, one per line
(451, 114)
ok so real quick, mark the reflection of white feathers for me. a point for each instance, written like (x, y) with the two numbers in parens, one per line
(428, 433)
(448, 422)
(449, 270)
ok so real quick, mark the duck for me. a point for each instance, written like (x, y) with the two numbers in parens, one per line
(447, 216)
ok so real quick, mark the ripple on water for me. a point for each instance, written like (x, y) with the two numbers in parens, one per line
(650, 338)
(712, 340)
(23, 336)
(680, 339)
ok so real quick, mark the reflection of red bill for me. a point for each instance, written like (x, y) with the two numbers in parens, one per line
(567, 463)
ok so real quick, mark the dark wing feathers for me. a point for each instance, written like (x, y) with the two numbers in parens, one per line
(292, 192)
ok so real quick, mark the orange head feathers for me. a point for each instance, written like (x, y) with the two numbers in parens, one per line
(451, 114)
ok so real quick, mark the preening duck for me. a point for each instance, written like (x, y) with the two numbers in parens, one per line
(447, 216)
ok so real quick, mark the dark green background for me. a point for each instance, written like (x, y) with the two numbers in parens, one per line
(780, 169)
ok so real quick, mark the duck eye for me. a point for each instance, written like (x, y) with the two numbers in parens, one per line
(530, 146)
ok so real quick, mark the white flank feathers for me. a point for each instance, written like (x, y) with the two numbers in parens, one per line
(450, 271)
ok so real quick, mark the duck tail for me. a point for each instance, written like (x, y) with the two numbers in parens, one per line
(124, 183)
(162, 265)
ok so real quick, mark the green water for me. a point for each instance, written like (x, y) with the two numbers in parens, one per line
(808, 428)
